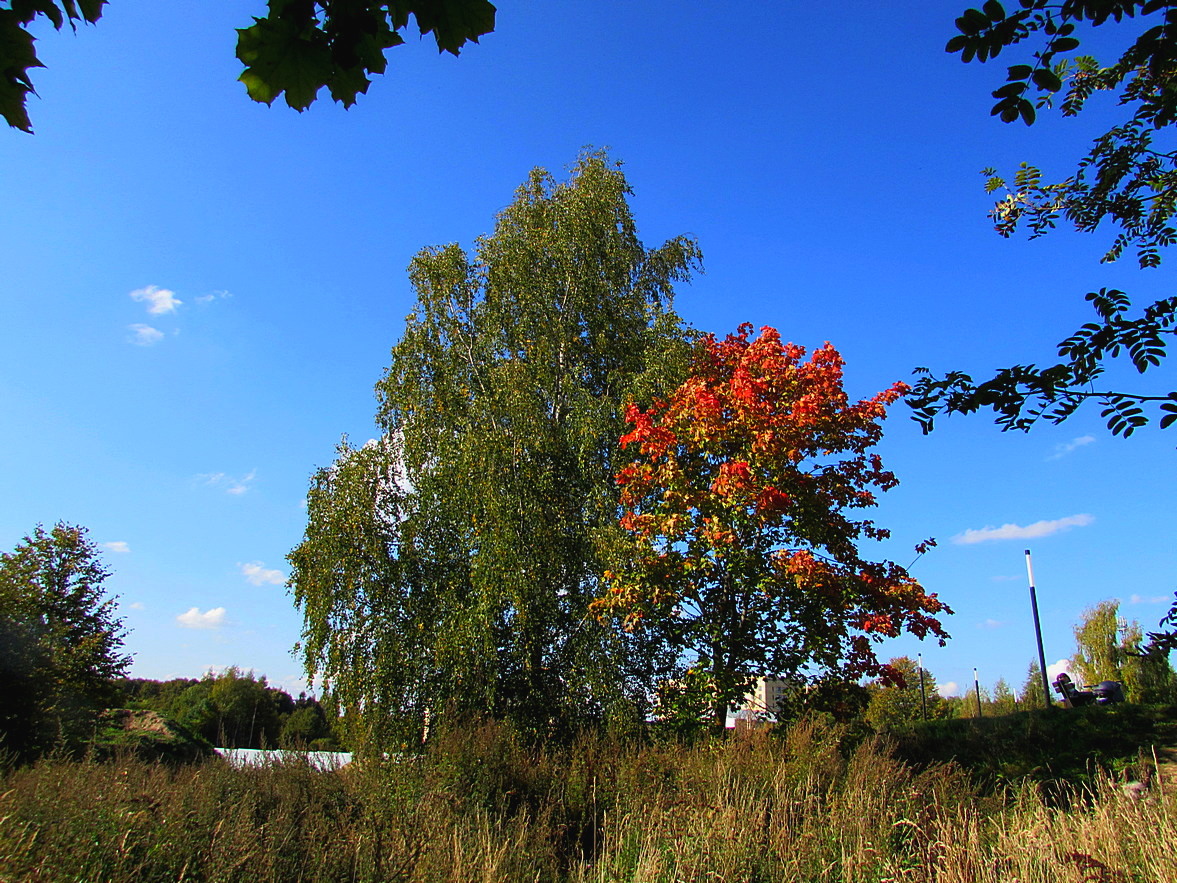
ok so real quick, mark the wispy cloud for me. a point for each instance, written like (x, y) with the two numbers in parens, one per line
(1004, 579)
(241, 485)
(159, 300)
(203, 299)
(1062, 450)
(136, 605)
(990, 624)
(1141, 599)
(1018, 532)
(144, 335)
(210, 619)
(230, 485)
(257, 574)
(119, 547)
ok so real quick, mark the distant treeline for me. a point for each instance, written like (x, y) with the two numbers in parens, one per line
(235, 709)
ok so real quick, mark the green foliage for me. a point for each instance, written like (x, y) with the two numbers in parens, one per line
(899, 702)
(1024, 394)
(300, 46)
(17, 54)
(838, 699)
(147, 694)
(1108, 648)
(296, 49)
(1045, 745)
(1031, 697)
(1100, 653)
(1125, 180)
(966, 706)
(1164, 642)
(234, 709)
(145, 735)
(306, 727)
(447, 569)
(1004, 701)
(60, 641)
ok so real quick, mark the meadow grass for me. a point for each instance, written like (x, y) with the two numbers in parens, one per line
(803, 804)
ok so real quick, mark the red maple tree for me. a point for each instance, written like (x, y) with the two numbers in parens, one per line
(740, 543)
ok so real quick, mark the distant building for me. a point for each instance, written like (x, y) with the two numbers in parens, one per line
(762, 701)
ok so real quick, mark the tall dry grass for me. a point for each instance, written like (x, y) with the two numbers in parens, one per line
(481, 806)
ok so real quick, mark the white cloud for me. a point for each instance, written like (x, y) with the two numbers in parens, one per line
(118, 546)
(203, 299)
(990, 624)
(144, 335)
(159, 300)
(210, 619)
(952, 688)
(1017, 532)
(1055, 669)
(257, 574)
(1141, 599)
(135, 605)
(241, 485)
(1066, 448)
(231, 485)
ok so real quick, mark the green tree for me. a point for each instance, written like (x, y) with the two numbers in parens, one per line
(147, 694)
(1030, 696)
(448, 568)
(372, 584)
(898, 701)
(1108, 648)
(966, 706)
(26, 722)
(740, 505)
(233, 709)
(296, 49)
(60, 641)
(1004, 701)
(1099, 652)
(1127, 180)
(245, 709)
(306, 726)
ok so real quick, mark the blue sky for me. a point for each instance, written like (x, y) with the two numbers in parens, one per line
(199, 292)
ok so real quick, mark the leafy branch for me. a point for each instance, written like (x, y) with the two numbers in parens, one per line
(1024, 394)
(302, 45)
(17, 54)
(1126, 178)
(295, 50)
(1162, 643)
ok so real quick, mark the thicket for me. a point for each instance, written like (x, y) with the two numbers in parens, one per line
(803, 803)
(234, 709)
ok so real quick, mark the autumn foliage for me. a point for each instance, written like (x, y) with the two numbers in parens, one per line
(741, 541)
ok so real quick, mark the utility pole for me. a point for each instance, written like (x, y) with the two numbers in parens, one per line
(1038, 632)
(977, 692)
